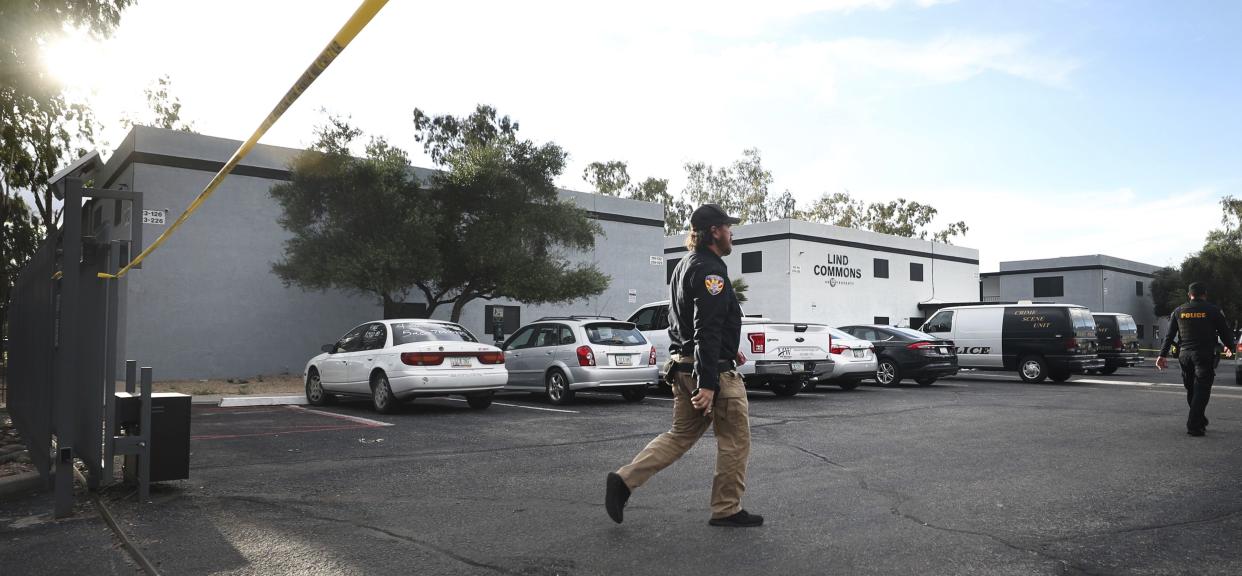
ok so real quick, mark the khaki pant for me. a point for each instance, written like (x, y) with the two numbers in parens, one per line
(732, 426)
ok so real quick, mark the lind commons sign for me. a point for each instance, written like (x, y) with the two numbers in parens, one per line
(837, 269)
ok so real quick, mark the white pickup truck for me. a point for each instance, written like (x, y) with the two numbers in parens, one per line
(779, 356)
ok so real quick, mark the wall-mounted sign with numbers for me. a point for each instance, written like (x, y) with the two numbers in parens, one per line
(153, 217)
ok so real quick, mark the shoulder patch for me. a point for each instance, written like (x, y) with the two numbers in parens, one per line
(714, 283)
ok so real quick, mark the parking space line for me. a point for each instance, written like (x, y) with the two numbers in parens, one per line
(357, 419)
(518, 406)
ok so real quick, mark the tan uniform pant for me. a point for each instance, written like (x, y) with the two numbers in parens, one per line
(732, 426)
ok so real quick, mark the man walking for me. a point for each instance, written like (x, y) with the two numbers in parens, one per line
(705, 323)
(1196, 325)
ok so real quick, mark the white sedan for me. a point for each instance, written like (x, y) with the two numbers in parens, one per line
(392, 361)
(853, 358)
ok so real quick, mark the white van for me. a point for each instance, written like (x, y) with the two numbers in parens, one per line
(1037, 340)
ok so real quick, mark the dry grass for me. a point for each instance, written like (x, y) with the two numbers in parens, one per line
(259, 385)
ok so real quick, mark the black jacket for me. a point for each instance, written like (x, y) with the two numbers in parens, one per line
(704, 318)
(1196, 325)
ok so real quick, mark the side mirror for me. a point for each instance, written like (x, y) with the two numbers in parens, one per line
(328, 348)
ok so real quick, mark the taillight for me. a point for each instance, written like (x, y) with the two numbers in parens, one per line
(837, 349)
(586, 357)
(920, 345)
(424, 358)
(758, 342)
(651, 360)
(1071, 344)
(492, 357)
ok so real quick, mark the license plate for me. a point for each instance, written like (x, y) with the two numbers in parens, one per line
(944, 351)
(797, 367)
(459, 361)
(860, 353)
(623, 361)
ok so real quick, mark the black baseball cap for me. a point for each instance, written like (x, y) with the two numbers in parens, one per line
(709, 215)
(1198, 288)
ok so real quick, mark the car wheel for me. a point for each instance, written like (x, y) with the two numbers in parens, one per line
(382, 399)
(479, 401)
(634, 393)
(1032, 369)
(786, 387)
(315, 394)
(1107, 370)
(1059, 376)
(557, 389)
(848, 384)
(925, 381)
(888, 373)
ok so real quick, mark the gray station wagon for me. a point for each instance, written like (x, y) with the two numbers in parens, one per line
(558, 357)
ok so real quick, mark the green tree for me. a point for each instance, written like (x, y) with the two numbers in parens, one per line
(40, 129)
(897, 217)
(608, 178)
(357, 224)
(503, 231)
(1168, 291)
(20, 238)
(164, 107)
(740, 287)
(1218, 264)
(741, 188)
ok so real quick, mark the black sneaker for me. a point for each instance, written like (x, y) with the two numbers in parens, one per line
(1199, 432)
(742, 519)
(616, 497)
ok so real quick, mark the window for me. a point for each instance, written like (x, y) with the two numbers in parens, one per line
(375, 337)
(1139, 330)
(407, 332)
(670, 265)
(351, 342)
(548, 335)
(941, 322)
(863, 333)
(1050, 287)
(645, 319)
(1138, 288)
(881, 268)
(881, 321)
(916, 272)
(661, 319)
(752, 262)
(520, 340)
(567, 336)
(614, 334)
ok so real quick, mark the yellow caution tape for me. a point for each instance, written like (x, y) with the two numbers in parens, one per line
(362, 16)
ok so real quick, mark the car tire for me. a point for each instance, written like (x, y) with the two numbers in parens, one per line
(888, 372)
(480, 401)
(556, 388)
(810, 386)
(1107, 370)
(382, 398)
(786, 387)
(634, 393)
(1032, 369)
(1059, 376)
(315, 394)
(925, 381)
(848, 384)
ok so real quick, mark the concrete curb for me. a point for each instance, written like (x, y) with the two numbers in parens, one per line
(21, 484)
(234, 401)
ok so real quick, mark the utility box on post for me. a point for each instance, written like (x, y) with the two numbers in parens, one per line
(170, 432)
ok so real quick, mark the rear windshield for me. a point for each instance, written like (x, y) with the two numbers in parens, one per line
(911, 333)
(1127, 326)
(614, 334)
(842, 335)
(408, 332)
(1083, 322)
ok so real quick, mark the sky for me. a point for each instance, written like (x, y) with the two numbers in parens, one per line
(1052, 128)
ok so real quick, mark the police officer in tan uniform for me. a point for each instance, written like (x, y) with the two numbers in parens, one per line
(1196, 325)
(705, 324)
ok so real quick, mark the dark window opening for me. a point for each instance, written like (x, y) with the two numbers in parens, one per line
(752, 262)
(916, 272)
(881, 320)
(1050, 287)
(881, 268)
(670, 265)
(1138, 288)
(510, 318)
(1139, 330)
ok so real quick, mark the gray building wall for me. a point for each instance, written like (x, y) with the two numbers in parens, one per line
(207, 305)
(1101, 283)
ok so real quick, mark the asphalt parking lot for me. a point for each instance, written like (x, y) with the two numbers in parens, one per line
(979, 474)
